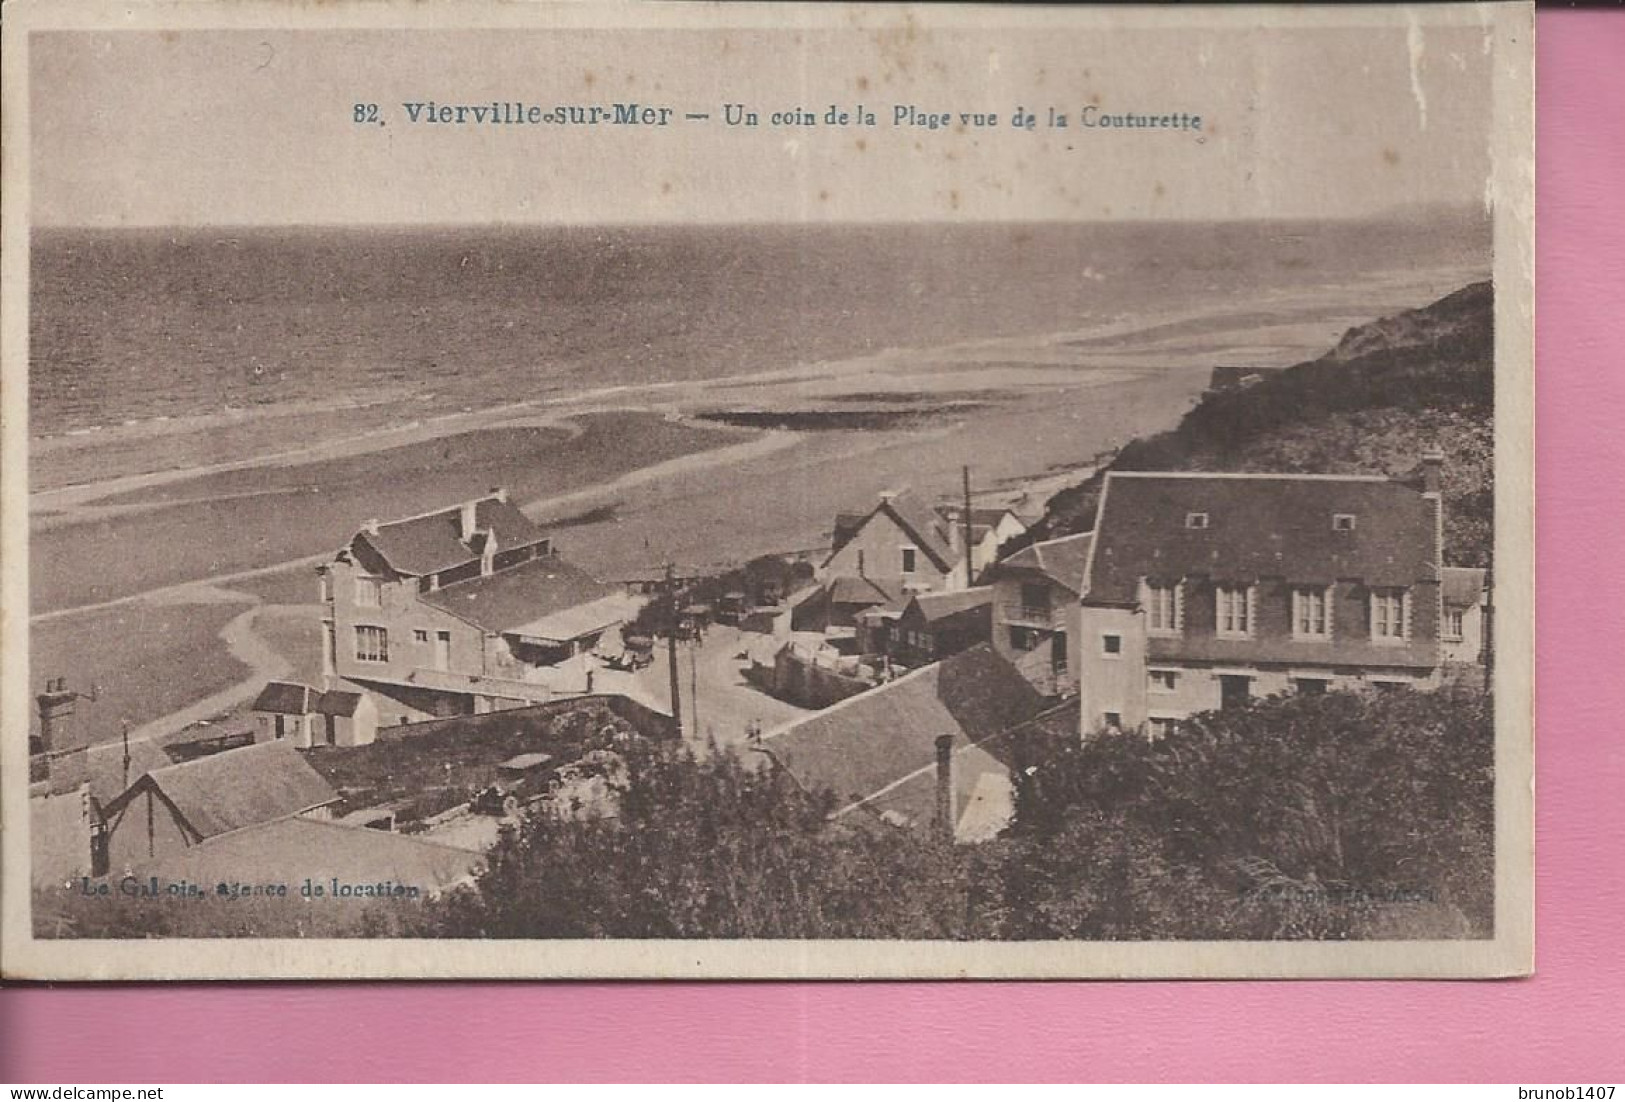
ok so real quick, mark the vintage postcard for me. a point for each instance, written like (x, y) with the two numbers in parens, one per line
(767, 490)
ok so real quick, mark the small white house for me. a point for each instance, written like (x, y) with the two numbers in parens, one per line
(309, 717)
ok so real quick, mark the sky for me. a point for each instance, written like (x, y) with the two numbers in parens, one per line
(251, 127)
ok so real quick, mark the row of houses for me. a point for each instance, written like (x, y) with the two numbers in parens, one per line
(1193, 592)
(255, 814)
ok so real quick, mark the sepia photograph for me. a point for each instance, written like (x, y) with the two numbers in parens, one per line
(767, 490)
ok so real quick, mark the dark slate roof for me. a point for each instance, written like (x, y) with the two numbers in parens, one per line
(514, 597)
(287, 697)
(337, 702)
(1259, 526)
(1463, 586)
(883, 736)
(239, 788)
(932, 607)
(849, 590)
(432, 542)
(1062, 560)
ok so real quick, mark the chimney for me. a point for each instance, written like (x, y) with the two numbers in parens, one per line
(466, 519)
(1433, 472)
(947, 813)
(55, 714)
(500, 493)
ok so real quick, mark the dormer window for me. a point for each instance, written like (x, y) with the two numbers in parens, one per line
(1342, 522)
(1196, 520)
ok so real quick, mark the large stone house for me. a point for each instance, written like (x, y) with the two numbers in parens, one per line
(459, 611)
(1035, 610)
(1203, 591)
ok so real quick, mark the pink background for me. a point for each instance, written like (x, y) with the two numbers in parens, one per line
(1566, 1025)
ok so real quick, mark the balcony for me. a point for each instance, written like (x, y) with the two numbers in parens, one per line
(1032, 616)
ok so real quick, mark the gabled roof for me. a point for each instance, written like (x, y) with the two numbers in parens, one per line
(236, 788)
(434, 541)
(918, 520)
(1259, 526)
(1463, 586)
(513, 598)
(875, 742)
(295, 699)
(286, 697)
(932, 607)
(1063, 560)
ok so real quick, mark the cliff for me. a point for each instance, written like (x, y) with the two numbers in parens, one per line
(1389, 391)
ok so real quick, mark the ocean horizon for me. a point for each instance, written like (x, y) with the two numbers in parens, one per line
(156, 324)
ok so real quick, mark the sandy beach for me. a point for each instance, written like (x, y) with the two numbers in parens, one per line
(628, 475)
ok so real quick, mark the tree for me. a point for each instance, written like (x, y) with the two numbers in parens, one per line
(708, 846)
(1336, 816)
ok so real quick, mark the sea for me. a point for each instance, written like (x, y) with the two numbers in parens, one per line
(129, 326)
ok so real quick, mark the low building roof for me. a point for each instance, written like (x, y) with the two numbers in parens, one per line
(434, 542)
(1463, 586)
(932, 607)
(286, 698)
(580, 620)
(877, 742)
(290, 850)
(522, 595)
(1063, 560)
(1257, 526)
(850, 590)
(519, 763)
(237, 788)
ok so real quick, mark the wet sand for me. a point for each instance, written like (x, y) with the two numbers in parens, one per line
(637, 475)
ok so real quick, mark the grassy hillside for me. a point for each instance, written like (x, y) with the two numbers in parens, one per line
(1389, 391)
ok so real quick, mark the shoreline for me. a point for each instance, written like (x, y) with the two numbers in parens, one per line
(70, 467)
(1058, 404)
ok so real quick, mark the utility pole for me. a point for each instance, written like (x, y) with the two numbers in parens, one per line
(970, 571)
(694, 685)
(125, 726)
(1489, 630)
(671, 650)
